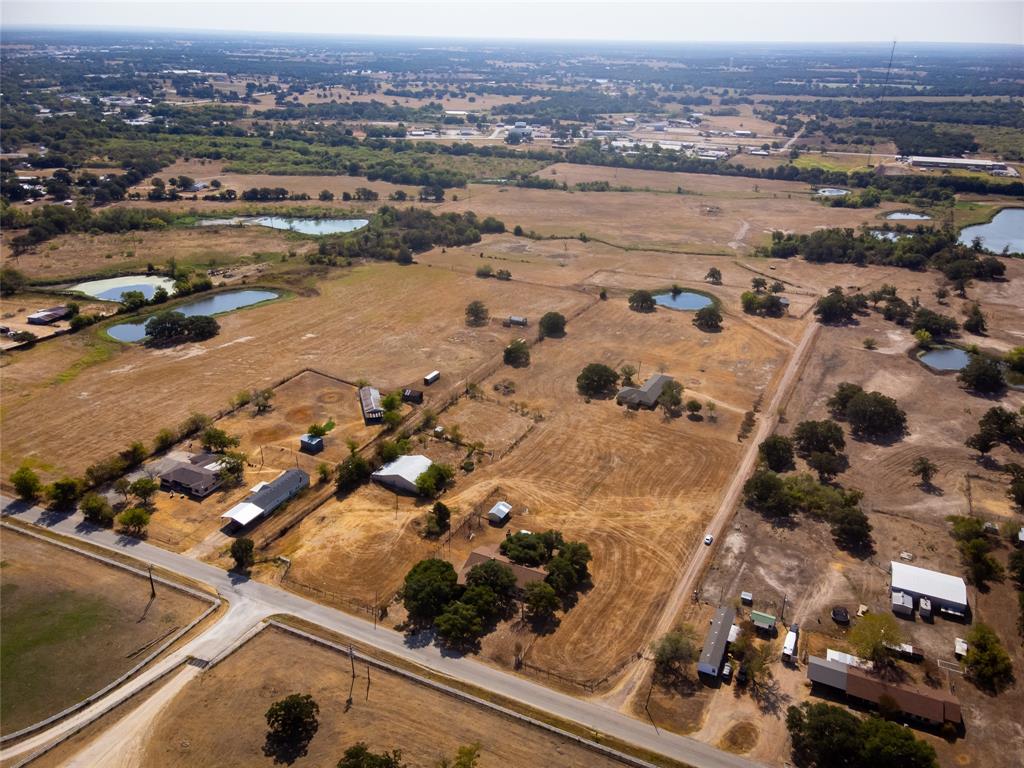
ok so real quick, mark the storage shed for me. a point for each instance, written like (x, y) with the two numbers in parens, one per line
(369, 401)
(763, 621)
(499, 513)
(431, 377)
(311, 443)
(902, 604)
(414, 396)
(401, 474)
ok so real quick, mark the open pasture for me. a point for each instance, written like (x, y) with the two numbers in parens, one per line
(71, 625)
(383, 323)
(222, 713)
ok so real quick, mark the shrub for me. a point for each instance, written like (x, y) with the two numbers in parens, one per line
(642, 301)
(26, 484)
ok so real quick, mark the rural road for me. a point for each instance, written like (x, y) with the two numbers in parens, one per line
(251, 601)
(621, 696)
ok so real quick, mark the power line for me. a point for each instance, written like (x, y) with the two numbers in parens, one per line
(885, 87)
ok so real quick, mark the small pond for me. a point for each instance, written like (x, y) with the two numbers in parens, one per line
(832, 192)
(112, 288)
(908, 216)
(686, 300)
(305, 226)
(948, 359)
(210, 305)
(1005, 230)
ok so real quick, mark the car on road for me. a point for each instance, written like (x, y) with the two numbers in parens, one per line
(708, 539)
(840, 615)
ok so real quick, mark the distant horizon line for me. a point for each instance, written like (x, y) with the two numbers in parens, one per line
(4, 28)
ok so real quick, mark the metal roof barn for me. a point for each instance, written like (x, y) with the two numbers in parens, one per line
(944, 590)
(401, 473)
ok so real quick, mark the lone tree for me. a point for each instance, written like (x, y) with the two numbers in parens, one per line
(708, 318)
(360, 756)
(714, 275)
(552, 324)
(642, 301)
(924, 468)
(243, 552)
(144, 489)
(777, 452)
(26, 484)
(517, 354)
(597, 380)
(477, 314)
(292, 722)
(260, 399)
(674, 653)
(134, 521)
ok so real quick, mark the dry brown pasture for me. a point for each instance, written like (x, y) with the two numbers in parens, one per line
(80, 255)
(716, 223)
(72, 624)
(222, 713)
(383, 323)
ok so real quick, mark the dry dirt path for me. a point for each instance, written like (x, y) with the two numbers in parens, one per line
(622, 695)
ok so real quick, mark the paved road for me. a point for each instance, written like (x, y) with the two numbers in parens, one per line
(251, 600)
(629, 687)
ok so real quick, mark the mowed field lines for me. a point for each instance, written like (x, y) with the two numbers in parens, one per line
(384, 323)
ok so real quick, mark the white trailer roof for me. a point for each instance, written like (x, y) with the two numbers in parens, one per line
(921, 581)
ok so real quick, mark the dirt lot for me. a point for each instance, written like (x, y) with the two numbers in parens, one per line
(71, 625)
(222, 713)
(383, 323)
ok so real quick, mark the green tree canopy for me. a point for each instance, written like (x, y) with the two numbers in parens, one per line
(597, 380)
(429, 586)
(552, 324)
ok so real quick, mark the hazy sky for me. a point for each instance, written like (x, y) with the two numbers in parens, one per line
(967, 21)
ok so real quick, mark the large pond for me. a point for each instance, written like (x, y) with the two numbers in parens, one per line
(112, 288)
(1005, 230)
(832, 192)
(949, 359)
(210, 305)
(305, 226)
(685, 300)
(908, 216)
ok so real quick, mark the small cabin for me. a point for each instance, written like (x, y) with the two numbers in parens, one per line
(431, 377)
(311, 443)
(414, 396)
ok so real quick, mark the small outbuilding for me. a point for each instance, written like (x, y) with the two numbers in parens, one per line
(369, 401)
(47, 316)
(789, 644)
(311, 443)
(431, 377)
(902, 604)
(763, 621)
(401, 474)
(414, 396)
(517, 320)
(500, 513)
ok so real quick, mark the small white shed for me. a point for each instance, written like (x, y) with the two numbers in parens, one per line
(500, 513)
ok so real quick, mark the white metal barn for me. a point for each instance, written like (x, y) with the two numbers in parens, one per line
(401, 474)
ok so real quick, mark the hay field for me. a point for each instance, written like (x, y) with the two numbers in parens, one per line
(70, 625)
(381, 322)
(222, 713)
(718, 223)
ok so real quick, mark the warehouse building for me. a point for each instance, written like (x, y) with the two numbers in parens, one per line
(945, 593)
(401, 474)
